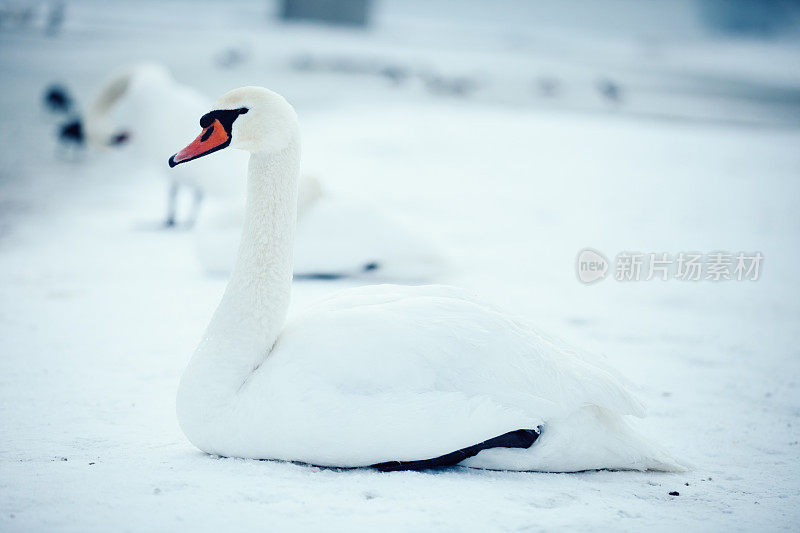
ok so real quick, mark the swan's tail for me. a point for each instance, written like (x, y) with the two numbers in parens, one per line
(591, 438)
(634, 451)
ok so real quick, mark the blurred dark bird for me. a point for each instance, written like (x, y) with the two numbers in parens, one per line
(57, 99)
(71, 133)
(610, 90)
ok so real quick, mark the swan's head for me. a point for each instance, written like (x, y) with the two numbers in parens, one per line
(124, 103)
(249, 118)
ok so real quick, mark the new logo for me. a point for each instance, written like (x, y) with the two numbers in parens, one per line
(591, 266)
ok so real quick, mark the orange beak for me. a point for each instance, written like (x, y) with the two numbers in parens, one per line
(213, 138)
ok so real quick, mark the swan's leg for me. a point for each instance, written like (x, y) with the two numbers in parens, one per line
(172, 202)
(197, 201)
(521, 438)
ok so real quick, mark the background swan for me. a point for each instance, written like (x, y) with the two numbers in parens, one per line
(144, 107)
(335, 238)
(381, 373)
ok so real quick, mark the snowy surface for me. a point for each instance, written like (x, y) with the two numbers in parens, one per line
(100, 310)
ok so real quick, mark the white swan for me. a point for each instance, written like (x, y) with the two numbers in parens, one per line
(398, 377)
(335, 238)
(144, 108)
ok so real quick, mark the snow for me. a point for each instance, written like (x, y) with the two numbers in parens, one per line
(100, 310)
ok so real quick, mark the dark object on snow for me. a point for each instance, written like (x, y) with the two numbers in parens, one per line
(71, 133)
(610, 90)
(342, 12)
(674, 493)
(329, 276)
(369, 267)
(57, 99)
(320, 276)
(521, 438)
(119, 139)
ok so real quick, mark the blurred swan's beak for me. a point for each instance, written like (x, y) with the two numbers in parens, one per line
(213, 138)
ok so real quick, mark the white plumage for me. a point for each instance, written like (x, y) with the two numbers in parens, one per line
(382, 373)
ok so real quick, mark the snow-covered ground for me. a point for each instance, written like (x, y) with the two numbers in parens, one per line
(100, 310)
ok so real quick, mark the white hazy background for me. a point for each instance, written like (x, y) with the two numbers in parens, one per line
(511, 134)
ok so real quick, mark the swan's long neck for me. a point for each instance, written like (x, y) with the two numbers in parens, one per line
(253, 309)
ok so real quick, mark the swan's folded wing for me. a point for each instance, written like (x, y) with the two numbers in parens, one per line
(442, 338)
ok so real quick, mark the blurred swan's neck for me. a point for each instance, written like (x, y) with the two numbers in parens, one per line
(253, 308)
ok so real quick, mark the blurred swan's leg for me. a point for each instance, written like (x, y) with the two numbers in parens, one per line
(172, 200)
(196, 202)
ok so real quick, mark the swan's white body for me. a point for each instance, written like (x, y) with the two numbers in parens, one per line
(381, 373)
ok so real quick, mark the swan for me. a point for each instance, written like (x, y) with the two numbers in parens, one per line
(143, 107)
(384, 376)
(336, 237)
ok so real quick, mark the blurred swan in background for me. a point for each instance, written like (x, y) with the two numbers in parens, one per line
(144, 107)
(335, 238)
(393, 377)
